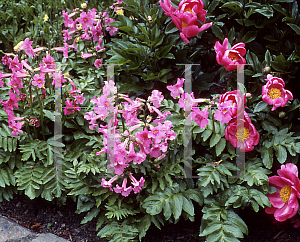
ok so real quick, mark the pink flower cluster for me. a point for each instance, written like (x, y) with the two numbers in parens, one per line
(187, 17)
(20, 69)
(138, 140)
(284, 202)
(273, 93)
(240, 131)
(124, 190)
(189, 103)
(89, 25)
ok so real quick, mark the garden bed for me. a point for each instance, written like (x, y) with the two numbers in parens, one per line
(44, 217)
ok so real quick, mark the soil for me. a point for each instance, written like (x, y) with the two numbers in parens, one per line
(44, 217)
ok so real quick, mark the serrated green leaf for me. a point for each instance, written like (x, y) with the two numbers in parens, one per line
(281, 153)
(90, 215)
(260, 106)
(215, 138)
(220, 146)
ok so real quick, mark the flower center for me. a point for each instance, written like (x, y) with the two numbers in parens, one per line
(185, 25)
(39, 80)
(85, 19)
(155, 131)
(188, 10)
(242, 134)
(233, 56)
(285, 193)
(274, 93)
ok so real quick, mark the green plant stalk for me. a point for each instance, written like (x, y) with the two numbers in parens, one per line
(30, 98)
(30, 101)
(49, 84)
(41, 112)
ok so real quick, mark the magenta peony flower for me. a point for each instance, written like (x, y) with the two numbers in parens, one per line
(186, 17)
(284, 202)
(229, 104)
(242, 138)
(230, 58)
(273, 93)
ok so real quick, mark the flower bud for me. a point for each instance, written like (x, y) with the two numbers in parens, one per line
(43, 93)
(23, 96)
(281, 114)
(248, 95)
(149, 18)
(267, 70)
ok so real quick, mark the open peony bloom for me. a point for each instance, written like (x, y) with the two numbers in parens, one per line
(273, 93)
(229, 104)
(230, 58)
(243, 136)
(284, 202)
(186, 17)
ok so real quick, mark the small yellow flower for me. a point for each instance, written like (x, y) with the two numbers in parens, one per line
(83, 5)
(78, 38)
(46, 18)
(66, 75)
(120, 12)
(18, 46)
(79, 27)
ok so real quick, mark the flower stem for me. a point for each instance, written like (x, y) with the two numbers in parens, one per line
(41, 112)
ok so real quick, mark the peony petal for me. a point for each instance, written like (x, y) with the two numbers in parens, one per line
(279, 182)
(276, 200)
(184, 38)
(283, 213)
(270, 210)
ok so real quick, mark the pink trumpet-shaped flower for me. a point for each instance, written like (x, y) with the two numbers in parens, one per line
(39, 80)
(125, 191)
(284, 202)
(156, 98)
(16, 127)
(176, 89)
(273, 93)
(230, 58)
(26, 45)
(108, 184)
(137, 185)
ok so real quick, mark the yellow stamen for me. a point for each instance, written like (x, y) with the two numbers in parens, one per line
(274, 93)
(285, 193)
(242, 135)
(233, 56)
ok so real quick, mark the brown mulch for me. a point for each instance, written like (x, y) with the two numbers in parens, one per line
(42, 216)
(45, 217)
